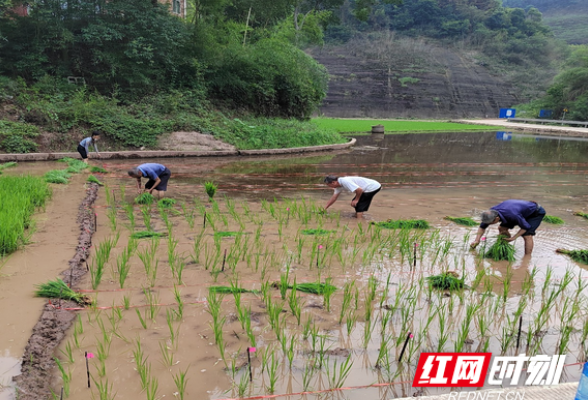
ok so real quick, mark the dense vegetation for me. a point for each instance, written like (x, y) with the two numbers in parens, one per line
(140, 71)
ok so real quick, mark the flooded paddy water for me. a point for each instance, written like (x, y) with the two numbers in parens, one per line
(156, 331)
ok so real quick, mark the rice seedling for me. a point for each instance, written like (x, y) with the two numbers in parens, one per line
(307, 375)
(272, 370)
(294, 303)
(145, 199)
(142, 319)
(74, 166)
(501, 250)
(465, 221)
(581, 214)
(122, 265)
(580, 256)
(229, 290)
(146, 235)
(315, 232)
(130, 213)
(146, 212)
(7, 165)
(166, 202)
(58, 289)
(338, 376)
(550, 219)
(403, 224)
(313, 288)
(181, 382)
(178, 298)
(126, 302)
(166, 354)
(446, 281)
(104, 390)
(210, 188)
(151, 389)
(93, 179)
(97, 170)
(327, 293)
(152, 302)
(174, 333)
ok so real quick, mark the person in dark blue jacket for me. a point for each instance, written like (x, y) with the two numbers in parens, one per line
(158, 177)
(527, 215)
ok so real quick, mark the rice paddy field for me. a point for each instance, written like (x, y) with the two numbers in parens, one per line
(359, 126)
(257, 292)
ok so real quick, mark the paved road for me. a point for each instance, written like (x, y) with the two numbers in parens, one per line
(535, 128)
(565, 391)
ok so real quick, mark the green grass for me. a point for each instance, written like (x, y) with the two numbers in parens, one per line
(60, 176)
(403, 224)
(7, 165)
(466, 221)
(550, 219)
(146, 235)
(365, 125)
(20, 196)
(316, 232)
(97, 170)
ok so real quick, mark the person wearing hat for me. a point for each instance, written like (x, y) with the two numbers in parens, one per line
(158, 177)
(527, 215)
(365, 189)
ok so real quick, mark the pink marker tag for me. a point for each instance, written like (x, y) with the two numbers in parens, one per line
(320, 246)
(252, 349)
(90, 355)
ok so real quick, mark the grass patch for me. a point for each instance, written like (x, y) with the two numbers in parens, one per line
(7, 165)
(146, 235)
(403, 224)
(465, 221)
(97, 170)
(550, 219)
(58, 289)
(60, 176)
(93, 179)
(20, 196)
(145, 198)
(501, 250)
(365, 125)
(316, 232)
(166, 203)
(580, 256)
(446, 281)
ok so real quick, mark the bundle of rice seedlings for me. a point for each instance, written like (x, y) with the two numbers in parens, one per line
(581, 214)
(316, 232)
(58, 289)
(314, 288)
(74, 166)
(146, 235)
(229, 290)
(166, 203)
(222, 234)
(145, 198)
(97, 170)
(210, 189)
(446, 281)
(7, 165)
(466, 221)
(550, 219)
(576, 255)
(403, 224)
(501, 250)
(57, 176)
(93, 179)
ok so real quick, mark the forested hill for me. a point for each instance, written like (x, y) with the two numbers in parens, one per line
(436, 58)
(567, 18)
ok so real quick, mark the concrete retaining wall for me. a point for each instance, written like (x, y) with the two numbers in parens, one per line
(111, 155)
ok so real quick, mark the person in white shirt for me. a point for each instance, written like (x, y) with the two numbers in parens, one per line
(365, 189)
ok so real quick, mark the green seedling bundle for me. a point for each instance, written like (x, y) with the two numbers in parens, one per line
(501, 250)
(550, 219)
(465, 221)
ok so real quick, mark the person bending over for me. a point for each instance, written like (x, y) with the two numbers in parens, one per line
(365, 189)
(84, 146)
(510, 213)
(158, 177)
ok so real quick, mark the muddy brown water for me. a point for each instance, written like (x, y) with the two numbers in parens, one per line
(424, 176)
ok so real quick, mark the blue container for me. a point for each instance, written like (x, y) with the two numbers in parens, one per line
(545, 113)
(507, 113)
(582, 393)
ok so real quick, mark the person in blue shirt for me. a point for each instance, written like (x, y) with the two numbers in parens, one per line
(527, 215)
(158, 177)
(84, 146)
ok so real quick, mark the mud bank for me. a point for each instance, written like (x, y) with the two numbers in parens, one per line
(37, 361)
(111, 155)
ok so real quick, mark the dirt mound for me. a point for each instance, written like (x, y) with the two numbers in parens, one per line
(192, 141)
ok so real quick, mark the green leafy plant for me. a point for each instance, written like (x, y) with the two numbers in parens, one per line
(210, 189)
(59, 176)
(166, 202)
(446, 281)
(581, 214)
(97, 170)
(466, 221)
(7, 165)
(147, 235)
